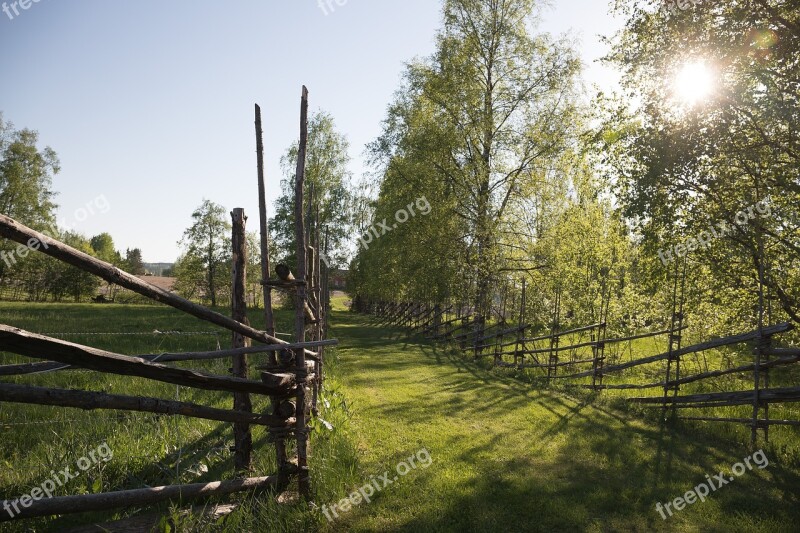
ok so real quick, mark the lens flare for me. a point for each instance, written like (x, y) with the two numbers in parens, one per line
(694, 83)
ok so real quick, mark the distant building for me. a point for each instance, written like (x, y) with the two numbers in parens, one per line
(338, 279)
(159, 269)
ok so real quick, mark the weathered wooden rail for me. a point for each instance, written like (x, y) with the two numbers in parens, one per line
(290, 378)
(470, 333)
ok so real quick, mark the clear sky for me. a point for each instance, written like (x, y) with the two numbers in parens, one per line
(149, 104)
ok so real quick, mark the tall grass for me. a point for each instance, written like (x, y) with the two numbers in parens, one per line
(151, 449)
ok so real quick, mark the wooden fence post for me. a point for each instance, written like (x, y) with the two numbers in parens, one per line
(519, 359)
(301, 432)
(281, 456)
(437, 319)
(264, 231)
(243, 438)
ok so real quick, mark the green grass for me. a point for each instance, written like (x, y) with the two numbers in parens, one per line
(508, 455)
(512, 458)
(149, 450)
(783, 439)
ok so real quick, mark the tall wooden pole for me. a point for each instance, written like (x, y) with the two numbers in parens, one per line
(269, 319)
(318, 279)
(282, 458)
(519, 360)
(319, 326)
(243, 438)
(326, 293)
(300, 321)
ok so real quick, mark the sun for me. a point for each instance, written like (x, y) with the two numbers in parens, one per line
(694, 83)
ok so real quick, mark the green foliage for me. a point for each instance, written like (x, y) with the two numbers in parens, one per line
(69, 281)
(26, 176)
(328, 178)
(26, 195)
(524, 182)
(679, 168)
(486, 130)
(190, 276)
(206, 245)
(103, 248)
(133, 262)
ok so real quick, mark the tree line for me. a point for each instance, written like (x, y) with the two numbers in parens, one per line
(26, 195)
(531, 177)
(202, 270)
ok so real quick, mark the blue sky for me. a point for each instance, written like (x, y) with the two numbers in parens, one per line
(150, 104)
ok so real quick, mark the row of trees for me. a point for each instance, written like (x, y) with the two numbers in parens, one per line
(488, 129)
(26, 194)
(203, 269)
(529, 181)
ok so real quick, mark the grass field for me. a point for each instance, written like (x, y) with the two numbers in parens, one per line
(506, 455)
(149, 450)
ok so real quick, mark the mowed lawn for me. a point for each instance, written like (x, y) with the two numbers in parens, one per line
(507, 457)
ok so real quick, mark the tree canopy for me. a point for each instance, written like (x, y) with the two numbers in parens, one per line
(206, 245)
(328, 179)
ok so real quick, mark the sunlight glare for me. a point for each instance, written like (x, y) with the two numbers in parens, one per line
(694, 83)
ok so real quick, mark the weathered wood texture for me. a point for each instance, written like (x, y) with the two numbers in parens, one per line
(747, 421)
(89, 401)
(713, 399)
(269, 318)
(135, 498)
(285, 275)
(243, 437)
(301, 434)
(281, 457)
(32, 345)
(32, 368)
(716, 343)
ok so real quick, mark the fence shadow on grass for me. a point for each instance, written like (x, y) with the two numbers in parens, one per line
(543, 460)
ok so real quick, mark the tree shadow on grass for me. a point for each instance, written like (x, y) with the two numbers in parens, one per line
(540, 460)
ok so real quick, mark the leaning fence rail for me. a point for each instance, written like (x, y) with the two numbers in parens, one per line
(291, 377)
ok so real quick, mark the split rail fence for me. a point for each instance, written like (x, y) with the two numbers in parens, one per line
(579, 354)
(291, 376)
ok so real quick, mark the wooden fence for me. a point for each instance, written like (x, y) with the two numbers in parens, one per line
(585, 356)
(291, 376)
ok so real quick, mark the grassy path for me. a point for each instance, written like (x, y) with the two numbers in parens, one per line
(507, 457)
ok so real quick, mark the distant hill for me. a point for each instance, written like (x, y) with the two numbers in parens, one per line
(157, 269)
